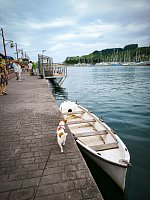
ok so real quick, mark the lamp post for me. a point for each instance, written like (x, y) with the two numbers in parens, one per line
(4, 44)
(3, 41)
(43, 52)
(42, 64)
(20, 51)
(16, 49)
(9, 41)
(11, 45)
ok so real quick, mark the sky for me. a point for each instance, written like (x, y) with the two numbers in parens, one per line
(66, 28)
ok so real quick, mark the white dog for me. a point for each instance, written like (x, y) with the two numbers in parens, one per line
(61, 135)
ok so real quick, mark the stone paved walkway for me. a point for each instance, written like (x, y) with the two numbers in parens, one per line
(31, 166)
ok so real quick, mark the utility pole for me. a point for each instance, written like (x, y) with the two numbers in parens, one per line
(3, 42)
(16, 50)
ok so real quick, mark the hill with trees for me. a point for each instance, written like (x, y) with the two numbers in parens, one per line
(130, 53)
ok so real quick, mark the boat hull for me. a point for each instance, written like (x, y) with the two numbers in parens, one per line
(98, 141)
(115, 171)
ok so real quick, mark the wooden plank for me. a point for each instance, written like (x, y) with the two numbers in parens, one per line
(93, 133)
(105, 146)
(79, 122)
(73, 113)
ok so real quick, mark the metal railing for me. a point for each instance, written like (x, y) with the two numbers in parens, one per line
(47, 70)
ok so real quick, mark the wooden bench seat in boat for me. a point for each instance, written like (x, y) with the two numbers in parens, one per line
(79, 122)
(102, 147)
(92, 133)
(73, 113)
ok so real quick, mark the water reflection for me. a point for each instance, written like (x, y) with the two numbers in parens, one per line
(59, 93)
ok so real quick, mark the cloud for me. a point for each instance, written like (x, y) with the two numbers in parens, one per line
(89, 33)
(137, 27)
(54, 23)
(74, 27)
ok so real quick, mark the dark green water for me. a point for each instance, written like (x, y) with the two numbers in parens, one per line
(121, 96)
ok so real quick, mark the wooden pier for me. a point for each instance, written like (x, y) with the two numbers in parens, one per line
(47, 69)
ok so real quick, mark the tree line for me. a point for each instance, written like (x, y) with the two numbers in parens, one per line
(130, 53)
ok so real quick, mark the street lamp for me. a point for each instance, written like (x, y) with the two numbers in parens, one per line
(3, 41)
(16, 49)
(42, 64)
(9, 42)
(20, 51)
(43, 52)
(4, 44)
(12, 44)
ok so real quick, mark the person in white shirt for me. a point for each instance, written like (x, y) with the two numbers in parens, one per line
(15, 66)
(30, 67)
(19, 71)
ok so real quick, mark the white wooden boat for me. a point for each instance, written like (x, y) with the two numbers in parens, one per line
(98, 141)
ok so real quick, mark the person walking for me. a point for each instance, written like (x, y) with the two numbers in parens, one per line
(30, 67)
(34, 68)
(15, 66)
(5, 82)
(3, 78)
(19, 71)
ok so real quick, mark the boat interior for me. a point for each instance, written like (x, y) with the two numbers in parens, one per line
(90, 131)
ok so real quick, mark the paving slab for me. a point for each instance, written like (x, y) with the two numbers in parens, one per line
(31, 165)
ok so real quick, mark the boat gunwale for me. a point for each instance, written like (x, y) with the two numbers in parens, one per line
(90, 150)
